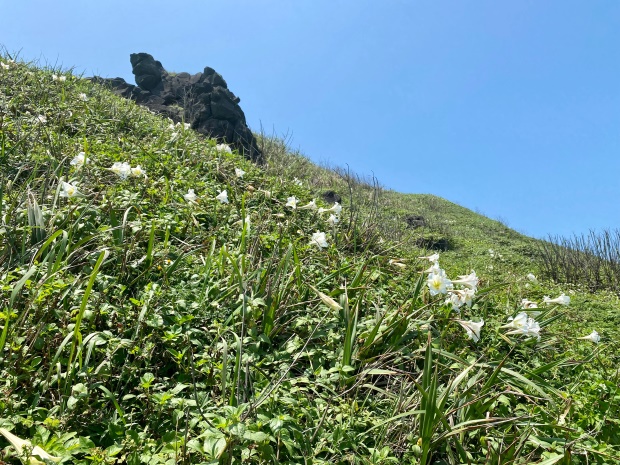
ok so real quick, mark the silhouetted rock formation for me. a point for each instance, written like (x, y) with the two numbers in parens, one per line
(202, 100)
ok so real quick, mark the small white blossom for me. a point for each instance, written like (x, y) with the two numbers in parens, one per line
(222, 196)
(291, 202)
(397, 263)
(41, 119)
(223, 148)
(318, 238)
(519, 321)
(593, 336)
(528, 304)
(562, 300)
(333, 220)
(309, 206)
(434, 268)
(431, 258)
(473, 328)
(123, 170)
(470, 280)
(138, 171)
(239, 172)
(297, 182)
(79, 160)
(335, 209)
(190, 196)
(460, 297)
(68, 190)
(83, 97)
(4, 65)
(523, 325)
(532, 278)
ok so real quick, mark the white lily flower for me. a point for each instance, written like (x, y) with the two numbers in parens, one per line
(190, 196)
(297, 182)
(318, 238)
(470, 280)
(83, 97)
(438, 282)
(327, 300)
(4, 65)
(561, 300)
(519, 321)
(532, 278)
(291, 202)
(22, 445)
(68, 190)
(309, 206)
(528, 304)
(222, 196)
(473, 328)
(336, 209)
(396, 262)
(138, 171)
(333, 220)
(41, 119)
(593, 336)
(523, 325)
(431, 258)
(223, 148)
(460, 297)
(59, 78)
(121, 169)
(79, 160)
(434, 268)
(239, 172)
(247, 223)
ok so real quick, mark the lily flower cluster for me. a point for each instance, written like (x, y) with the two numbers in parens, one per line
(179, 124)
(318, 238)
(524, 323)
(439, 283)
(124, 170)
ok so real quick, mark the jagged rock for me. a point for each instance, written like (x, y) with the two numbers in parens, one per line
(415, 221)
(203, 100)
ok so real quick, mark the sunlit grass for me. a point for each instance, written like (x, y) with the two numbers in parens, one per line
(165, 301)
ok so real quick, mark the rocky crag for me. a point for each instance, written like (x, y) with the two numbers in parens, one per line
(202, 100)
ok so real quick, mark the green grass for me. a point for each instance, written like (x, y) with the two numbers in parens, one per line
(138, 327)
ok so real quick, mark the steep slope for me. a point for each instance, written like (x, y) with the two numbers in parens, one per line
(164, 300)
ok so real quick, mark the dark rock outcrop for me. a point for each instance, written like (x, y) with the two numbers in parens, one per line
(415, 221)
(331, 197)
(202, 100)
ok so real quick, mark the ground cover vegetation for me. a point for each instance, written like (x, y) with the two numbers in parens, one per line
(163, 300)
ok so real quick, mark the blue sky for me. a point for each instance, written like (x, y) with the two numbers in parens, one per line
(510, 108)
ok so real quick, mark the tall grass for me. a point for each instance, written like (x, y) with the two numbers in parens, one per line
(591, 260)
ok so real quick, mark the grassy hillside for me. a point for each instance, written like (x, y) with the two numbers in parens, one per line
(165, 301)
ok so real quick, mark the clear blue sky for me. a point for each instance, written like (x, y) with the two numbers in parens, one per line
(510, 108)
